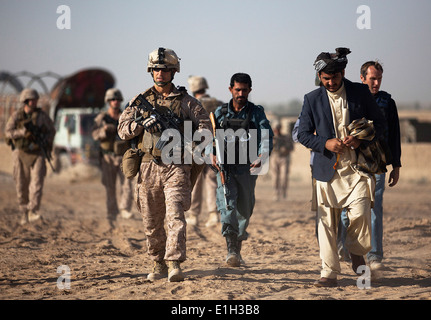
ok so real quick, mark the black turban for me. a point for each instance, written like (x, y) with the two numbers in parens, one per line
(332, 62)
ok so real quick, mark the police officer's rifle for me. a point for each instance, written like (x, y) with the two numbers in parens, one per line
(39, 139)
(220, 155)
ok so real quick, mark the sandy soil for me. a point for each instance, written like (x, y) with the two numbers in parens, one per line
(282, 258)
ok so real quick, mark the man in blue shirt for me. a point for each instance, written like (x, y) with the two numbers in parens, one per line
(252, 145)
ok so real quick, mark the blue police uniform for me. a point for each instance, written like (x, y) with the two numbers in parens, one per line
(240, 181)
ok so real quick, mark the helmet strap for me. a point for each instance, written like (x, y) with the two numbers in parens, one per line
(163, 83)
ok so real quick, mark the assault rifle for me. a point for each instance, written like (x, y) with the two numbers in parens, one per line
(168, 121)
(39, 139)
(220, 155)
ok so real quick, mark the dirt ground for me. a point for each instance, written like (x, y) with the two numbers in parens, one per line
(282, 257)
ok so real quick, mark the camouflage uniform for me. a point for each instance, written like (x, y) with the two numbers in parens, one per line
(163, 191)
(206, 180)
(29, 167)
(111, 152)
(280, 162)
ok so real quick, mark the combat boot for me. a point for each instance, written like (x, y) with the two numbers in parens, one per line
(233, 257)
(239, 252)
(125, 214)
(24, 218)
(32, 216)
(212, 220)
(112, 221)
(175, 273)
(160, 270)
(192, 220)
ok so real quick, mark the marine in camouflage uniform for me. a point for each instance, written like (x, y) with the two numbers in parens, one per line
(207, 180)
(280, 162)
(111, 153)
(29, 166)
(163, 190)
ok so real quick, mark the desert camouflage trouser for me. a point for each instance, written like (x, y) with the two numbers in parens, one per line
(28, 181)
(110, 165)
(163, 193)
(279, 166)
(207, 180)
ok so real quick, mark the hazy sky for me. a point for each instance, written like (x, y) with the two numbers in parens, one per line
(275, 41)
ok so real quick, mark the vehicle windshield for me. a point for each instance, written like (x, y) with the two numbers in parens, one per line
(87, 121)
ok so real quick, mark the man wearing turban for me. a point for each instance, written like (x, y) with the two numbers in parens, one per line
(325, 117)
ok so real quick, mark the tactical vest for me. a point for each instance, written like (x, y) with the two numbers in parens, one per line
(107, 145)
(210, 104)
(27, 144)
(113, 144)
(236, 124)
(282, 145)
(147, 141)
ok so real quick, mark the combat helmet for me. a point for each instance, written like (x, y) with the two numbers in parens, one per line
(113, 93)
(28, 94)
(163, 58)
(197, 83)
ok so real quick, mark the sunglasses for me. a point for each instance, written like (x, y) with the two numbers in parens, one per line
(162, 69)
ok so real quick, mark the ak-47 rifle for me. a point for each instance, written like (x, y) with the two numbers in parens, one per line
(39, 139)
(220, 160)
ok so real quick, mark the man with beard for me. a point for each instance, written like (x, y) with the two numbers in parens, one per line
(236, 207)
(326, 114)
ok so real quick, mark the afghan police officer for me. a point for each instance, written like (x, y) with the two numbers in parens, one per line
(280, 162)
(207, 180)
(30, 132)
(163, 189)
(235, 198)
(112, 149)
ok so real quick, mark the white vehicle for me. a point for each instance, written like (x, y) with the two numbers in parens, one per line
(73, 142)
(75, 102)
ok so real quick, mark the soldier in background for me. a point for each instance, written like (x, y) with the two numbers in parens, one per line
(112, 149)
(207, 179)
(30, 132)
(163, 189)
(280, 162)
